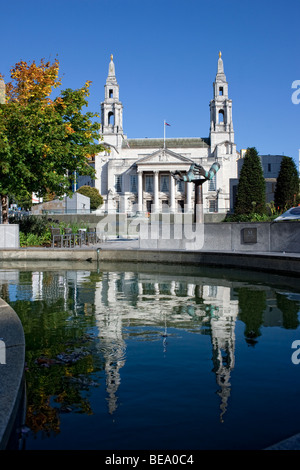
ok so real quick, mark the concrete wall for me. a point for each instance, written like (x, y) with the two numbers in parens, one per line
(9, 236)
(235, 237)
(56, 258)
(260, 236)
(285, 236)
(227, 236)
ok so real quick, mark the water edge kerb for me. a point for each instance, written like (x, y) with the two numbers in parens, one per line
(12, 381)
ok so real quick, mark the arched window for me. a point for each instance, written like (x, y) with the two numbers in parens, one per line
(221, 91)
(111, 118)
(221, 116)
(111, 93)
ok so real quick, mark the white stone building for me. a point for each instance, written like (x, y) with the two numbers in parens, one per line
(135, 174)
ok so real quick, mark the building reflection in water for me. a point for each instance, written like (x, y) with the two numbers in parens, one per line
(130, 299)
(124, 301)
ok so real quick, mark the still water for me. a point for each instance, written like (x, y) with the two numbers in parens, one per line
(162, 357)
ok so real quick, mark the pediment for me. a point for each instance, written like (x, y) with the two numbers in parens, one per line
(163, 156)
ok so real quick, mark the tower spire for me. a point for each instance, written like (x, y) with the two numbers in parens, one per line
(221, 128)
(220, 72)
(111, 67)
(111, 107)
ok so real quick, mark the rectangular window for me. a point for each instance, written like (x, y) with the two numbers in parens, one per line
(133, 183)
(269, 167)
(181, 206)
(149, 183)
(212, 291)
(180, 186)
(118, 183)
(149, 205)
(212, 185)
(164, 183)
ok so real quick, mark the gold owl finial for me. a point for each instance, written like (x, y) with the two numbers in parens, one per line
(111, 57)
(220, 55)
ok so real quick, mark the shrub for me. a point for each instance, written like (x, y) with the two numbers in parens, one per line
(32, 224)
(96, 199)
(32, 239)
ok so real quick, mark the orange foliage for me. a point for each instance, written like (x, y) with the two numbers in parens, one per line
(69, 129)
(32, 82)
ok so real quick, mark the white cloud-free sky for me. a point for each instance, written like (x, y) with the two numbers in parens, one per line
(165, 55)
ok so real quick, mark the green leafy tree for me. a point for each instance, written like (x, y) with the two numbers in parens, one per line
(96, 199)
(251, 190)
(43, 142)
(287, 185)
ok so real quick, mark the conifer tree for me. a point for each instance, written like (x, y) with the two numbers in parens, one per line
(251, 190)
(287, 185)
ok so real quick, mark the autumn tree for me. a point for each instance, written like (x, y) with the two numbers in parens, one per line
(44, 141)
(251, 190)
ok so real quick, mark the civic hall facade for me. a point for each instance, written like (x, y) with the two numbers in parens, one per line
(134, 175)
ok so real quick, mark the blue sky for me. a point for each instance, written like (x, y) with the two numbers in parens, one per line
(165, 54)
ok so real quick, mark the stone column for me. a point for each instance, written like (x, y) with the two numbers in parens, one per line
(140, 191)
(172, 194)
(156, 192)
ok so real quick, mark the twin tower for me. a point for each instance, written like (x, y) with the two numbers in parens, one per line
(221, 126)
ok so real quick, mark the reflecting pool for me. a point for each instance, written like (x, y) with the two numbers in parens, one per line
(156, 357)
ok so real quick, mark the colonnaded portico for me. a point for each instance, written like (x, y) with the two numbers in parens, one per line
(157, 189)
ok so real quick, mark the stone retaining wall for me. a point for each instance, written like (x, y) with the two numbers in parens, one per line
(246, 237)
(229, 236)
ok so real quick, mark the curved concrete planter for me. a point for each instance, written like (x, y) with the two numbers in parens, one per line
(12, 360)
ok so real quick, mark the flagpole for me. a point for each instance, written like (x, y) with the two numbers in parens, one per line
(164, 134)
